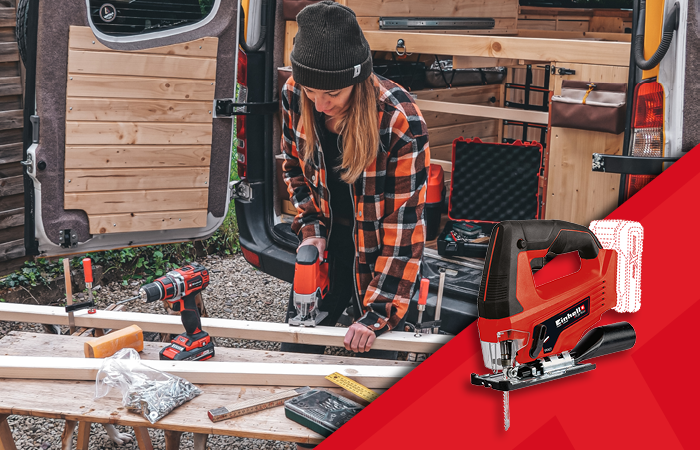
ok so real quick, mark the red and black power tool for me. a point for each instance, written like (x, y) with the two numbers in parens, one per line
(545, 282)
(310, 286)
(180, 287)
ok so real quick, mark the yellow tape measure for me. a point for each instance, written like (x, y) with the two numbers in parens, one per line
(353, 386)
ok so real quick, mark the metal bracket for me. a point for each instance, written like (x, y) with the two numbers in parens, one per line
(67, 238)
(241, 190)
(562, 71)
(35, 128)
(29, 163)
(227, 108)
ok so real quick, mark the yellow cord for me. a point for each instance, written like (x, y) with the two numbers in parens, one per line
(590, 88)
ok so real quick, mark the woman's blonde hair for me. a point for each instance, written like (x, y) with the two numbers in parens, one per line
(359, 128)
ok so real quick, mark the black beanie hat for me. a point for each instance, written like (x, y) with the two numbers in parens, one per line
(330, 52)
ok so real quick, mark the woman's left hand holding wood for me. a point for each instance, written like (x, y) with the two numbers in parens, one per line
(359, 338)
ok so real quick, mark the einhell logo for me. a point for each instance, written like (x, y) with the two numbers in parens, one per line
(578, 312)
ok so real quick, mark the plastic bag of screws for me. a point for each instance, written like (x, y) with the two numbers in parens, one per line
(145, 391)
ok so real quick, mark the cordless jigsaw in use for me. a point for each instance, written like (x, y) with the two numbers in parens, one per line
(545, 283)
(310, 286)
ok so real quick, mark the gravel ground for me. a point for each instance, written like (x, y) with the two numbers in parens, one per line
(236, 291)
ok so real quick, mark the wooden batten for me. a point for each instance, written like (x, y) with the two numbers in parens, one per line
(235, 329)
(493, 112)
(138, 132)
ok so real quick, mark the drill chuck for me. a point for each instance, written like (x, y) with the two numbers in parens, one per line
(151, 292)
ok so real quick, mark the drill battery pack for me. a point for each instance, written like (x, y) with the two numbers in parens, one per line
(197, 347)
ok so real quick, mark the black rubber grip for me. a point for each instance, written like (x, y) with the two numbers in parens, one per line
(307, 255)
(604, 340)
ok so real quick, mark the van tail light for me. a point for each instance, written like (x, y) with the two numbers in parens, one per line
(242, 97)
(252, 257)
(647, 130)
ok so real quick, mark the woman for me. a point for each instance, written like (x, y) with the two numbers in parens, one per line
(356, 158)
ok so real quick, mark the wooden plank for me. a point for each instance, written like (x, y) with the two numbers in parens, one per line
(83, 438)
(122, 156)
(475, 62)
(41, 344)
(8, 51)
(7, 34)
(134, 64)
(11, 202)
(11, 119)
(11, 170)
(572, 25)
(235, 329)
(461, 94)
(547, 24)
(492, 112)
(606, 25)
(10, 102)
(131, 201)
(615, 37)
(11, 218)
(139, 87)
(7, 442)
(445, 135)
(10, 86)
(434, 8)
(137, 110)
(10, 153)
(92, 180)
(11, 185)
(12, 233)
(9, 69)
(12, 249)
(148, 221)
(533, 49)
(290, 31)
(82, 38)
(246, 374)
(436, 119)
(137, 133)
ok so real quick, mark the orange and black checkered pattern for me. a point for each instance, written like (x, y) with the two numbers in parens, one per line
(389, 198)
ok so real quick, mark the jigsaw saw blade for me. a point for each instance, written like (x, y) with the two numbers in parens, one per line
(506, 410)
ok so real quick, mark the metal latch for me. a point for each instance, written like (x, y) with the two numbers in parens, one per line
(29, 163)
(67, 238)
(241, 190)
(562, 71)
(35, 128)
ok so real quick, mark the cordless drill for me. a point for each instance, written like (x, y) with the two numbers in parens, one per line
(180, 287)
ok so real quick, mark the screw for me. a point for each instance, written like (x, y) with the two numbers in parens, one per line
(206, 182)
(212, 84)
(209, 112)
(200, 47)
(69, 181)
(114, 224)
(180, 220)
(70, 109)
(93, 42)
(71, 78)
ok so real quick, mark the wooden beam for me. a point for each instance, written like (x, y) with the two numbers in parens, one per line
(135, 64)
(92, 180)
(546, 50)
(546, 34)
(235, 329)
(6, 440)
(107, 86)
(492, 112)
(122, 156)
(246, 374)
(147, 221)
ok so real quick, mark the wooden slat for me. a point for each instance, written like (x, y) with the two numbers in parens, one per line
(12, 249)
(147, 156)
(546, 50)
(484, 111)
(445, 135)
(82, 38)
(8, 51)
(461, 94)
(136, 110)
(139, 87)
(137, 133)
(11, 185)
(12, 202)
(93, 180)
(235, 329)
(10, 86)
(11, 119)
(439, 119)
(572, 25)
(147, 221)
(434, 8)
(475, 62)
(545, 25)
(9, 69)
(10, 153)
(135, 64)
(130, 201)
(606, 25)
(11, 218)
(615, 37)
(290, 30)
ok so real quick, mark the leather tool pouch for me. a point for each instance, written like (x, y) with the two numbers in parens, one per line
(590, 106)
(290, 8)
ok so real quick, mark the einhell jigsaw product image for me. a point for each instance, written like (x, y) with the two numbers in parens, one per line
(310, 286)
(544, 284)
(180, 287)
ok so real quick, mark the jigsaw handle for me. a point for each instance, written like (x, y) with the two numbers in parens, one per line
(538, 239)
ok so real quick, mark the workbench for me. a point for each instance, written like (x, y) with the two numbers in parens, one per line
(74, 400)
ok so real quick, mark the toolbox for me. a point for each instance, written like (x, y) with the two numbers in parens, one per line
(491, 182)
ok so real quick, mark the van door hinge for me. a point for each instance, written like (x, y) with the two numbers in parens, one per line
(67, 238)
(562, 71)
(241, 190)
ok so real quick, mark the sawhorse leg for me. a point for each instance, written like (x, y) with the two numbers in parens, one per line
(83, 435)
(6, 440)
(143, 438)
(172, 440)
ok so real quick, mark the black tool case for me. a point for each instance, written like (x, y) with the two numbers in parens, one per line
(490, 183)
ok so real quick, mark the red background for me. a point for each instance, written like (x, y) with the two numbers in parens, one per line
(646, 397)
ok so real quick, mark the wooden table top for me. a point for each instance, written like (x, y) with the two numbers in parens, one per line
(74, 400)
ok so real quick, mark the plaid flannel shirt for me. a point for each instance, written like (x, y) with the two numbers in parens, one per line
(389, 198)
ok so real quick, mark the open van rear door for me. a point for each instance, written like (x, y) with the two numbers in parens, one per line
(126, 148)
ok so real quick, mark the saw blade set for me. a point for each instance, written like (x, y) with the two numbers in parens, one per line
(545, 284)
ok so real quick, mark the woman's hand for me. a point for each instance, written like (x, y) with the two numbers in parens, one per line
(359, 338)
(319, 243)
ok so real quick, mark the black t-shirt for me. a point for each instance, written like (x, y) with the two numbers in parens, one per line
(340, 191)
